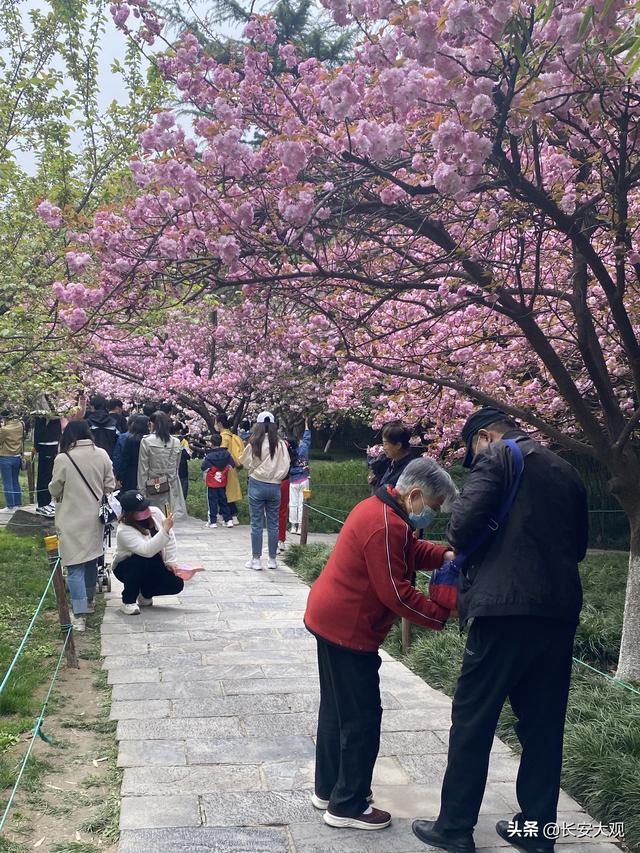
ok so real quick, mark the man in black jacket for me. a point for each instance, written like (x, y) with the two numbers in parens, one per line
(103, 427)
(522, 589)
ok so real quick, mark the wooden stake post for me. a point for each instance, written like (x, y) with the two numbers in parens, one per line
(51, 544)
(304, 527)
(406, 634)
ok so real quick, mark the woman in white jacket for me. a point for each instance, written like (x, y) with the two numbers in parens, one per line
(146, 553)
(266, 458)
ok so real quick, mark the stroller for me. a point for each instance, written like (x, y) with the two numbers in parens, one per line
(104, 562)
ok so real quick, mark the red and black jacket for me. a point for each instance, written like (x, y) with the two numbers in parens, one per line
(366, 583)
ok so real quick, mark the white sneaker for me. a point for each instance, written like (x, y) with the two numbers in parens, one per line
(292, 528)
(6, 509)
(130, 609)
(282, 547)
(91, 606)
(144, 602)
(235, 521)
(46, 511)
(271, 563)
(208, 524)
(254, 564)
(79, 624)
(229, 523)
(211, 526)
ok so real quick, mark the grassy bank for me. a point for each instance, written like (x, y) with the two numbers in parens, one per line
(602, 740)
(24, 571)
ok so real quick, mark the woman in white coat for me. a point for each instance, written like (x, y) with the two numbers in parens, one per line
(82, 474)
(146, 553)
(158, 465)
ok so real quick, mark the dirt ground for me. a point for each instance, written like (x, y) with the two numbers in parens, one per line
(69, 801)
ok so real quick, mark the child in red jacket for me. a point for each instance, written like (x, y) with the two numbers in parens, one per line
(365, 586)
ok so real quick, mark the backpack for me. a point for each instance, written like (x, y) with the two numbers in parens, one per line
(216, 478)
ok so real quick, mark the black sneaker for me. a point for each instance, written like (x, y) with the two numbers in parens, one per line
(426, 831)
(504, 828)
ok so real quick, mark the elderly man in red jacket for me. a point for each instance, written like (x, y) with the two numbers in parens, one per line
(364, 587)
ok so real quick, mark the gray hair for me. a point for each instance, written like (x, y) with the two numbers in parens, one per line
(434, 482)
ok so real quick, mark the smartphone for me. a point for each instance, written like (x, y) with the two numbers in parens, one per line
(167, 510)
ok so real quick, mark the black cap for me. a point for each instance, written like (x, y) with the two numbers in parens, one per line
(133, 501)
(477, 421)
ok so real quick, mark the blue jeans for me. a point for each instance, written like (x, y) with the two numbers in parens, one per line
(264, 500)
(218, 504)
(10, 470)
(81, 580)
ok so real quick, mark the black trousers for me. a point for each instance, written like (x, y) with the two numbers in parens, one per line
(528, 661)
(147, 576)
(348, 727)
(46, 457)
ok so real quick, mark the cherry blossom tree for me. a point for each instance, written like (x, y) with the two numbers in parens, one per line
(211, 359)
(455, 211)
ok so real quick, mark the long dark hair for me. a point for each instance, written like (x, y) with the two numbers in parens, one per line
(138, 427)
(74, 432)
(224, 421)
(257, 437)
(162, 426)
(127, 518)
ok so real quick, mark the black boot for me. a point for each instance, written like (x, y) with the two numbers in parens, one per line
(504, 828)
(426, 831)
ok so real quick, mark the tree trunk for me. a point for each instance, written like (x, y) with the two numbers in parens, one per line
(629, 661)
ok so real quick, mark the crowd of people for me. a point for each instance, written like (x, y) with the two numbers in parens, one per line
(95, 451)
(509, 568)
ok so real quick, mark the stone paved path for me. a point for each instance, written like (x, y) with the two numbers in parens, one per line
(215, 693)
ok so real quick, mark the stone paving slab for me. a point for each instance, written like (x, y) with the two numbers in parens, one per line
(215, 693)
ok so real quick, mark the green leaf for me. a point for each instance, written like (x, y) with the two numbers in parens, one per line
(586, 22)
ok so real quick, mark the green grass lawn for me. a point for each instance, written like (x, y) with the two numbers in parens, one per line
(602, 739)
(24, 571)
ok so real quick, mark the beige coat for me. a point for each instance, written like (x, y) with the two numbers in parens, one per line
(157, 460)
(79, 530)
(264, 468)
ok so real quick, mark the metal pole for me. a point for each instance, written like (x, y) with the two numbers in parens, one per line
(30, 477)
(304, 527)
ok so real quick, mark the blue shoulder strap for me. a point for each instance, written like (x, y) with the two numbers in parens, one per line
(505, 507)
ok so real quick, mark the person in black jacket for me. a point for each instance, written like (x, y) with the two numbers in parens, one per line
(386, 470)
(126, 470)
(103, 427)
(522, 589)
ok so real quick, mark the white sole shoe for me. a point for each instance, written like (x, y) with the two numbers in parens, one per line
(229, 524)
(78, 624)
(145, 602)
(354, 822)
(256, 565)
(235, 521)
(317, 803)
(130, 609)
